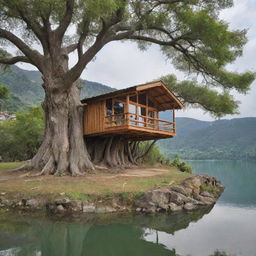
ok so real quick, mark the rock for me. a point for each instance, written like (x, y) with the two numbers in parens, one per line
(74, 205)
(110, 209)
(178, 198)
(6, 203)
(62, 194)
(60, 209)
(138, 209)
(174, 207)
(2, 193)
(101, 209)
(88, 208)
(204, 200)
(19, 204)
(182, 190)
(207, 194)
(62, 201)
(190, 206)
(32, 203)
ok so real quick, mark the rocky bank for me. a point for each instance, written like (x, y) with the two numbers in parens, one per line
(194, 192)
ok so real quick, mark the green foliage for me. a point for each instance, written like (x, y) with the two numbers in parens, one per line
(21, 138)
(209, 189)
(190, 34)
(4, 92)
(196, 95)
(154, 156)
(182, 166)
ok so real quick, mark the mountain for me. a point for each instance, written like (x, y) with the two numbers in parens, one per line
(26, 89)
(221, 139)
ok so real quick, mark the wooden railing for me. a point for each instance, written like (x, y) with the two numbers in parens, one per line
(138, 121)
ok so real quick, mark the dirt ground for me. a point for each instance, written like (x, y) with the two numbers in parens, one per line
(98, 183)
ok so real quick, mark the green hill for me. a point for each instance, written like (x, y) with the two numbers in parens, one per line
(222, 139)
(26, 89)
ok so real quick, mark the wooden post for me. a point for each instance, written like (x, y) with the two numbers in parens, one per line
(127, 109)
(174, 122)
(136, 116)
(146, 109)
(112, 117)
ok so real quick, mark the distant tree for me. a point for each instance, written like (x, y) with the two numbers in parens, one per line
(189, 33)
(21, 138)
(4, 94)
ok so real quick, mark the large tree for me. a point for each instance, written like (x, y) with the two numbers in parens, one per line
(46, 32)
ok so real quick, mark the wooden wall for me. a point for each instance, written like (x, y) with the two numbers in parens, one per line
(94, 117)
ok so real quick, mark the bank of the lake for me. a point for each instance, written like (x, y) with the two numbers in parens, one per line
(146, 190)
(227, 229)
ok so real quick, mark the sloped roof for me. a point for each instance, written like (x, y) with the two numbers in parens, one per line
(158, 91)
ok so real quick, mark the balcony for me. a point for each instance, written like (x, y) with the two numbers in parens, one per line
(135, 124)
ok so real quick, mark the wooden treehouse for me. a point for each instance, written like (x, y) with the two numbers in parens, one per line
(132, 112)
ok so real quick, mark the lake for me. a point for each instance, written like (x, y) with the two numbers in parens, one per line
(229, 228)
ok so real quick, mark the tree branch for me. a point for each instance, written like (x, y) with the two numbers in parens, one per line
(14, 60)
(60, 31)
(34, 56)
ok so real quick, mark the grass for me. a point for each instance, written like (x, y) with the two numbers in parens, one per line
(89, 186)
(208, 189)
(9, 166)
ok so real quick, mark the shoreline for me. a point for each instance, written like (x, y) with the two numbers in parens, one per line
(193, 193)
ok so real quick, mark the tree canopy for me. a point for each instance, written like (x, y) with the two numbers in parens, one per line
(45, 32)
(189, 33)
(4, 92)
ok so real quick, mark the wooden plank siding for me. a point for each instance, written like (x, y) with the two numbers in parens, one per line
(94, 118)
(132, 125)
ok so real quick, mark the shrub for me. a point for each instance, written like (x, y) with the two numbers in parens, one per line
(182, 166)
(21, 138)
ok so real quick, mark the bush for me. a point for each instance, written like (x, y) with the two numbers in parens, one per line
(21, 138)
(182, 166)
(154, 156)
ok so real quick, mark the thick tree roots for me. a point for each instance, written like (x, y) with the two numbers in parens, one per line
(103, 152)
(116, 151)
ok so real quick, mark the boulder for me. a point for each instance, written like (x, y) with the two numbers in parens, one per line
(174, 207)
(88, 207)
(186, 191)
(60, 209)
(32, 203)
(190, 206)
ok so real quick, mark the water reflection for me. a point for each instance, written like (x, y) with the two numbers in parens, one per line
(102, 237)
(227, 229)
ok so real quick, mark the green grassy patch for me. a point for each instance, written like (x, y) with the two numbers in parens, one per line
(127, 185)
(209, 189)
(9, 166)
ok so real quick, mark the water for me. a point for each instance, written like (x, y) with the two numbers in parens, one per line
(230, 227)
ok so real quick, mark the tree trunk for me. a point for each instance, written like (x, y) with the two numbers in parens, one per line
(115, 151)
(63, 149)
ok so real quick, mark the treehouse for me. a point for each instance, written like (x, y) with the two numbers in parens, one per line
(133, 113)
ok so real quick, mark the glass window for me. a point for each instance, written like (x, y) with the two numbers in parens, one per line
(109, 107)
(132, 115)
(142, 111)
(119, 113)
(118, 108)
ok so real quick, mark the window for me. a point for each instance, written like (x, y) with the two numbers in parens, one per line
(119, 112)
(109, 107)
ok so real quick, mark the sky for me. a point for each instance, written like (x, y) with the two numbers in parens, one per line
(122, 64)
